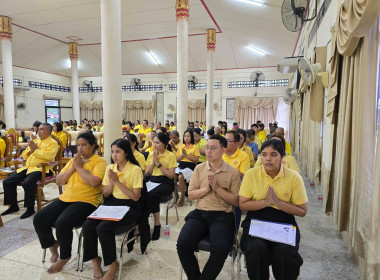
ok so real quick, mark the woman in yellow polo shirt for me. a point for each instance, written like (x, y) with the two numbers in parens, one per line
(288, 160)
(58, 132)
(272, 193)
(135, 149)
(160, 167)
(187, 158)
(122, 183)
(82, 177)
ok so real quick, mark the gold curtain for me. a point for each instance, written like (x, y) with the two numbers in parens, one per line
(91, 110)
(349, 196)
(354, 19)
(249, 110)
(197, 110)
(139, 110)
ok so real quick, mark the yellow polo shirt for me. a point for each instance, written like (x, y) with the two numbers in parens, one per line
(46, 152)
(288, 148)
(145, 131)
(238, 160)
(131, 131)
(248, 151)
(3, 146)
(131, 177)
(287, 161)
(201, 145)
(191, 150)
(262, 136)
(62, 136)
(203, 128)
(137, 127)
(150, 149)
(101, 128)
(140, 159)
(167, 159)
(288, 185)
(258, 142)
(77, 190)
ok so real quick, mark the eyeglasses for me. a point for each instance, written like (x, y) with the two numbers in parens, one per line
(212, 149)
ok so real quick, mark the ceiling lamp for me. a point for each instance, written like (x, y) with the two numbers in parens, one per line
(153, 58)
(259, 52)
(253, 2)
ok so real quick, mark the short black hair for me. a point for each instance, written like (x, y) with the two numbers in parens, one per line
(242, 131)
(235, 134)
(275, 144)
(48, 125)
(37, 124)
(197, 131)
(90, 138)
(254, 125)
(3, 123)
(211, 131)
(175, 132)
(59, 126)
(261, 125)
(222, 141)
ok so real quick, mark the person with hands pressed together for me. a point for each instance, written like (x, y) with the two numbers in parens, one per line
(42, 150)
(272, 193)
(215, 185)
(82, 177)
(123, 182)
(187, 158)
(175, 141)
(160, 168)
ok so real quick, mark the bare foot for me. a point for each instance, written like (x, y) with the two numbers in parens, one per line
(181, 202)
(54, 252)
(111, 272)
(98, 272)
(57, 266)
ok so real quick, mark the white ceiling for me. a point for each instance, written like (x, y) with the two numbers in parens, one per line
(41, 28)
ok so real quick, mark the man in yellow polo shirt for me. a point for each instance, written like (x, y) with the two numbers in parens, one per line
(233, 155)
(39, 151)
(280, 131)
(144, 131)
(262, 135)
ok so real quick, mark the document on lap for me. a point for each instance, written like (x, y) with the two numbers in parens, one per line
(150, 185)
(111, 213)
(277, 232)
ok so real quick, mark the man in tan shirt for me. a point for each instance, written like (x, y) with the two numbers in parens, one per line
(215, 185)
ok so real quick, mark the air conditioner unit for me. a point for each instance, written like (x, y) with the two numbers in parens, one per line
(288, 64)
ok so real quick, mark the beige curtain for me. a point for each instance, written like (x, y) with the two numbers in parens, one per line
(197, 110)
(354, 19)
(249, 110)
(351, 193)
(139, 110)
(91, 110)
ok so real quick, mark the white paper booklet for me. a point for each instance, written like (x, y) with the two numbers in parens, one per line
(150, 185)
(112, 213)
(277, 232)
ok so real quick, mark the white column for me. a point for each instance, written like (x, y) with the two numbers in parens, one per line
(182, 11)
(210, 77)
(75, 90)
(111, 72)
(6, 54)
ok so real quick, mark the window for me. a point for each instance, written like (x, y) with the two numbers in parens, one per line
(48, 86)
(52, 111)
(198, 86)
(265, 83)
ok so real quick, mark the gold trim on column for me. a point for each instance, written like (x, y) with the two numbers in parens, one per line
(182, 9)
(211, 39)
(5, 28)
(73, 51)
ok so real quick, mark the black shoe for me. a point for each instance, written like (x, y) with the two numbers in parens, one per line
(156, 232)
(27, 214)
(12, 209)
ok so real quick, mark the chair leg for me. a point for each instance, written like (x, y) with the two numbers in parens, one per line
(167, 212)
(39, 197)
(238, 268)
(176, 210)
(43, 255)
(180, 272)
(79, 251)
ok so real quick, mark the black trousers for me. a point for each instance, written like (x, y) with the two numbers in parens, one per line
(164, 189)
(29, 185)
(220, 227)
(260, 253)
(64, 216)
(105, 231)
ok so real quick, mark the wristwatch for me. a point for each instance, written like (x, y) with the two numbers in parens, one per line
(159, 165)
